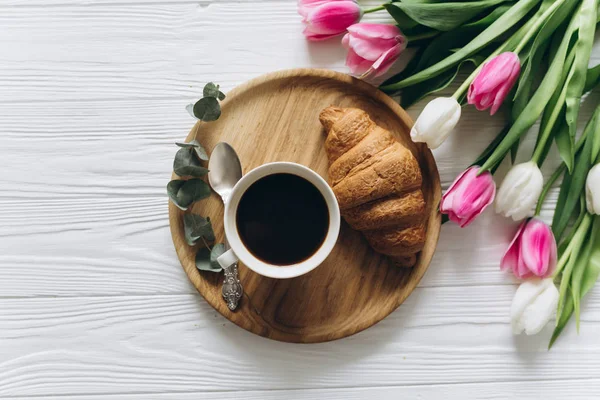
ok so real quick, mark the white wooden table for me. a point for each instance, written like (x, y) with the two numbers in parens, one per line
(93, 301)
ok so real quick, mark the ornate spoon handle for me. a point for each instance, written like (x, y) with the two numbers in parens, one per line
(232, 287)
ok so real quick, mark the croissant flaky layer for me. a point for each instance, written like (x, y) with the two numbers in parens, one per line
(377, 182)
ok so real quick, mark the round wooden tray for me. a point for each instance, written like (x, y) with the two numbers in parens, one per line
(275, 118)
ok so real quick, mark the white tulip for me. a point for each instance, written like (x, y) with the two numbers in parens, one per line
(592, 190)
(533, 306)
(520, 191)
(436, 122)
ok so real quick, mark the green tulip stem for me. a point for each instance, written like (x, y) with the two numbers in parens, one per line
(465, 85)
(573, 250)
(522, 43)
(538, 24)
(374, 9)
(559, 171)
(420, 36)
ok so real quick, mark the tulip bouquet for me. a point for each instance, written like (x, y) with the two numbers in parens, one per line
(531, 58)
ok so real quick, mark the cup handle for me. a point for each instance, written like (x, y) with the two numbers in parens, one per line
(227, 259)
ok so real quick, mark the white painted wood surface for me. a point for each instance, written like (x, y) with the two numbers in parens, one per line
(93, 302)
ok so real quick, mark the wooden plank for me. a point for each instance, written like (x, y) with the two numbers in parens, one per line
(162, 343)
(575, 389)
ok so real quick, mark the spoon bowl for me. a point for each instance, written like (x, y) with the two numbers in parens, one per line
(225, 170)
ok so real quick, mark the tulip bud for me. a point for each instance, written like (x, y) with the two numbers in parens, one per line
(373, 48)
(328, 18)
(436, 122)
(468, 196)
(495, 80)
(520, 190)
(533, 306)
(532, 251)
(592, 190)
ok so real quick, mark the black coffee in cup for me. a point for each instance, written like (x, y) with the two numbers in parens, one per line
(282, 219)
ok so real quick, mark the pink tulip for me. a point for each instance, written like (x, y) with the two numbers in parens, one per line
(492, 84)
(532, 252)
(373, 48)
(468, 196)
(328, 18)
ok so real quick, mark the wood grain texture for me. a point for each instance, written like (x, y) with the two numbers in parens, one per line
(276, 118)
(158, 344)
(576, 389)
(92, 100)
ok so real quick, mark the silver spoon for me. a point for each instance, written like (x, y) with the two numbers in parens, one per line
(225, 170)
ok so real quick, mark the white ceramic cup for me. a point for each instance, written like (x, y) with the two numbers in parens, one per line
(238, 250)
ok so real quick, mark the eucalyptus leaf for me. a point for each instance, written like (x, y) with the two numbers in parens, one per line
(186, 163)
(207, 109)
(501, 25)
(217, 250)
(184, 193)
(204, 261)
(200, 151)
(172, 190)
(538, 101)
(190, 109)
(575, 83)
(212, 90)
(443, 16)
(196, 227)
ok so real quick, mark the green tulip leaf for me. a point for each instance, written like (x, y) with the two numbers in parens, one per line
(536, 54)
(404, 21)
(573, 184)
(586, 18)
(578, 273)
(552, 126)
(537, 103)
(491, 147)
(415, 93)
(565, 144)
(443, 16)
(592, 78)
(562, 320)
(496, 29)
(588, 279)
(441, 46)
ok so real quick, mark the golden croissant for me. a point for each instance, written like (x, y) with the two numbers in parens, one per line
(377, 182)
